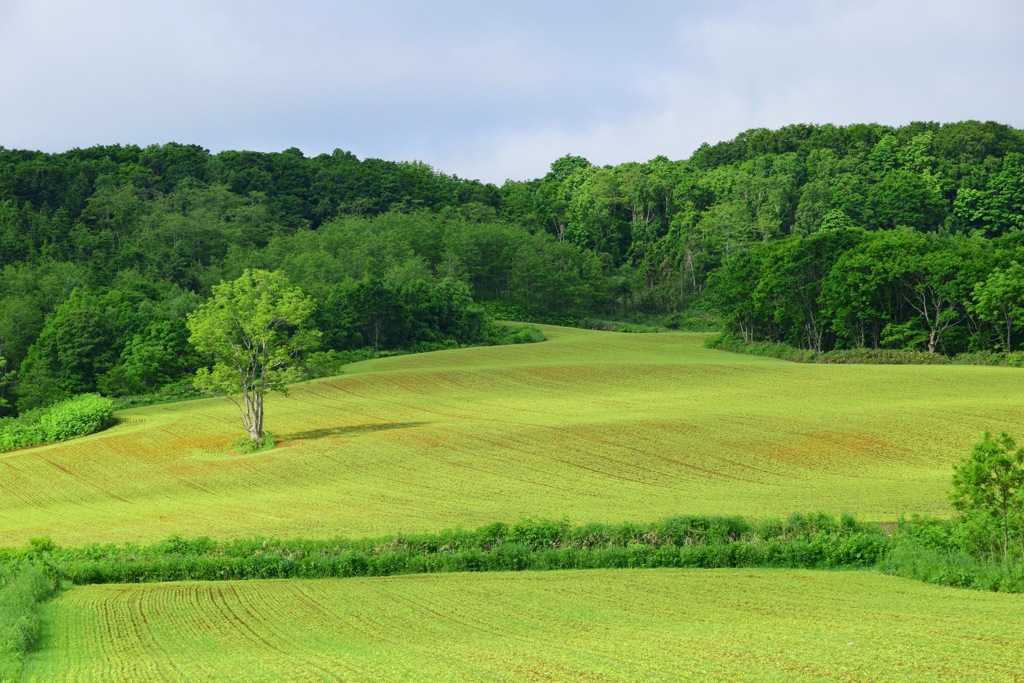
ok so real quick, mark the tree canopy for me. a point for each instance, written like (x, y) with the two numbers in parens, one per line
(990, 481)
(254, 330)
(819, 236)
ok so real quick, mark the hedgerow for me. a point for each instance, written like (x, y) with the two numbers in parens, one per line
(801, 541)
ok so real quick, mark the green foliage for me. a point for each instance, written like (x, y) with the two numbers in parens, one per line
(74, 348)
(20, 433)
(180, 390)
(927, 550)
(254, 329)
(617, 326)
(24, 585)
(999, 299)
(862, 356)
(247, 445)
(499, 333)
(799, 541)
(107, 249)
(79, 416)
(4, 403)
(964, 552)
(990, 481)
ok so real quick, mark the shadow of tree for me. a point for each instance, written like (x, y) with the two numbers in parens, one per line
(348, 429)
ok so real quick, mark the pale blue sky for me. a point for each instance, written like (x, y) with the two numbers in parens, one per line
(494, 90)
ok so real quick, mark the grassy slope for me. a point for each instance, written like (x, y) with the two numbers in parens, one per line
(725, 625)
(589, 425)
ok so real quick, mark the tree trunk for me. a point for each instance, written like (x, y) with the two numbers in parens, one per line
(1006, 532)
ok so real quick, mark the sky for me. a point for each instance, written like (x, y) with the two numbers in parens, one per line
(492, 90)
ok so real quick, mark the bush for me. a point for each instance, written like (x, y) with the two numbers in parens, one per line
(616, 326)
(527, 334)
(181, 390)
(728, 342)
(503, 310)
(247, 446)
(498, 334)
(963, 552)
(68, 419)
(15, 434)
(78, 416)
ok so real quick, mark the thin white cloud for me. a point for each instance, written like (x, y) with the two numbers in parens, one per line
(771, 66)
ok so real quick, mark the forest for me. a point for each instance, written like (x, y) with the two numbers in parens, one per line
(817, 236)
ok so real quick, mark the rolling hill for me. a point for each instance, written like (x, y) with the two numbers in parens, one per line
(593, 426)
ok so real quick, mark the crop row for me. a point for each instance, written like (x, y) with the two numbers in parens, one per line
(625, 625)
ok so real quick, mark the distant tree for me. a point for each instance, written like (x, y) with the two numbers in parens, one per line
(1000, 300)
(76, 345)
(3, 381)
(254, 328)
(991, 481)
(902, 198)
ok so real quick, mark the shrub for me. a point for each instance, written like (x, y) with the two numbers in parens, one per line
(499, 334)
(246, 445)
(616, 326)
(800, 541)
(527, 334)
(15, 434)
(77, 416)
(181, 390)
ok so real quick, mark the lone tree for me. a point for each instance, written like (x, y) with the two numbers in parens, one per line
(254, 329)
(991, 480)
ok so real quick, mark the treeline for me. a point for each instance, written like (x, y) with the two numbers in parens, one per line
(394, 281)
(816, 236)
(666, 226)
(895, 289)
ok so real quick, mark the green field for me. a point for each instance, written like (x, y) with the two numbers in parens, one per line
(595, 426)
(602, 625)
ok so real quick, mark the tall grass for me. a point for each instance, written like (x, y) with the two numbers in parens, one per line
(25, 585)
(913, 559)
(964, 552)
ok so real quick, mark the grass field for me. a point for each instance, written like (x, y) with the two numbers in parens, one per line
(725, 625)
(595, 426)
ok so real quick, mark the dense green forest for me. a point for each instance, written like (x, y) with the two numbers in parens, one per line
(821, 237)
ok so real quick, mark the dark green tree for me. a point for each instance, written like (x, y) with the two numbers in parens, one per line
(1000, 300)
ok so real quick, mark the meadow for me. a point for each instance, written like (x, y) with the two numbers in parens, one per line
(589, 426)
(611, 625)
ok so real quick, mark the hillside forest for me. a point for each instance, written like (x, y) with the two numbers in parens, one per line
(820, 237)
